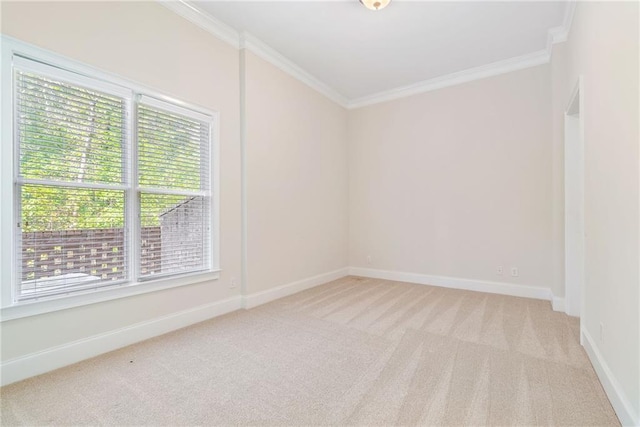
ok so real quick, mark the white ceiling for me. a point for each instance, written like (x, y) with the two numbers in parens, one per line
(360, 53)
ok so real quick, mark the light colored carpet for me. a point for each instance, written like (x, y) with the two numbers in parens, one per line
(352, 352)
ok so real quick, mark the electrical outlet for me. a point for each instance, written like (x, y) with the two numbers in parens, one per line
(500, 270)
(232, 284)
(514, 271)
(368, 259)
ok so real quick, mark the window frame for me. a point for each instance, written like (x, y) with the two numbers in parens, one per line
(10, 308)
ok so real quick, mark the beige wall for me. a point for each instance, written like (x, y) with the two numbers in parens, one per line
(296, 154)
(151, 45)
(456, 182)
(558, 105)
(603, 47)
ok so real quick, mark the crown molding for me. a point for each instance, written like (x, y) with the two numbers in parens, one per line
(489, 70)
(247, 41)
(203, 20)
(561, 33)
(251, 43)
(554, 35)
(266, 52)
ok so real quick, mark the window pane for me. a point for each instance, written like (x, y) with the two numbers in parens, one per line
(68, 133)
(172, 150)
(173, 234)
(71, 238)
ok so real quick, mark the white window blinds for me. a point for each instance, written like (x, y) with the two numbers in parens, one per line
(112, 187)
(71, 181)
(174, 179)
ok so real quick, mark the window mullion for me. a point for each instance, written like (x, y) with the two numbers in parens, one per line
(133, 214)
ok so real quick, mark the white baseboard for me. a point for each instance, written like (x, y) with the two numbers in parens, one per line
(259, 298)
(57, 357)
(616, 395)
(456, 283)
(557, 303)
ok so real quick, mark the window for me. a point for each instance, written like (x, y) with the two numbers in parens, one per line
(173, 179)
(112, 185)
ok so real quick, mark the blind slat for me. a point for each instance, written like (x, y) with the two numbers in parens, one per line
(53, 85)
(66, 116)
(182, 231)
(150, 115)
(72, 233)
(167, 159)
(65, 134)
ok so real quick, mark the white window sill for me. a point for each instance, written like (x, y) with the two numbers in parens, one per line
(35, 307)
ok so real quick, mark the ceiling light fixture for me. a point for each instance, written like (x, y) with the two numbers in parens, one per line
(375, 4)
